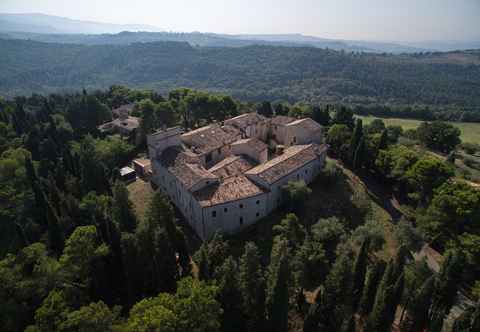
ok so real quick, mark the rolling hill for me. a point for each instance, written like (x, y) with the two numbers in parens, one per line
(252, 72)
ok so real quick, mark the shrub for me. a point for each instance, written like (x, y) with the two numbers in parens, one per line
(470, 148)
(472, 163)
(330, 174)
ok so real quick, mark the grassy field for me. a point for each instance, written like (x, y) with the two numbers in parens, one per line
(140, 194)
(470, 131)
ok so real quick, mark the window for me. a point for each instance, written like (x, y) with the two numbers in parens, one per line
(258, 214)
(306, 171)
(241, 220)
(214, 214)
(219, 150)
(208, 158)
(241, 206)
(208, 182)
(294, 139)
(225, 210)
(258, 202)
(298, 176)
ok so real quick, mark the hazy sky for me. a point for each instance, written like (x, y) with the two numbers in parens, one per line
(396, 20)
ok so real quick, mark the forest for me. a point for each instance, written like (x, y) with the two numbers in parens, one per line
(438, 80)
(75, 256)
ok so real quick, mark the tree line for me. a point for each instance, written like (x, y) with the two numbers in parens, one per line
(254, 73)
(76, 256)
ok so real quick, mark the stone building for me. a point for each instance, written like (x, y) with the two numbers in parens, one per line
(223, 177)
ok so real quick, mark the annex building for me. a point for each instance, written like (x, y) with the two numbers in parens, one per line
(226, 176)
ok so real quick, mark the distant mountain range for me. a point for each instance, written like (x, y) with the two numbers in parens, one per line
(46, 28)
(41, 23)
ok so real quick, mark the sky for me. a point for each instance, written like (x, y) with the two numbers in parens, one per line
(386, 20)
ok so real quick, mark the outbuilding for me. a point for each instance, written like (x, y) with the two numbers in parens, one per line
(128, 174)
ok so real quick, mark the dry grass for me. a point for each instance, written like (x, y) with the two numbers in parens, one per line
(140, 194)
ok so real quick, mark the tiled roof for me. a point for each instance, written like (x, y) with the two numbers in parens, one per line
(293, 158)
(253, 142)
(306, 124)
(209, 138)
(245, 120)
(230, 189)
(232, 166)
(281, 120)
(142, 161)
(183, 166)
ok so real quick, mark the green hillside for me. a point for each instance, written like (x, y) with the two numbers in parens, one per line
(252, 73)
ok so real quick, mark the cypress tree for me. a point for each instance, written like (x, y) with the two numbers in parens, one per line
(446, 287)
(312, 319)
(377, 315)
(30, 170)
(230, 296)
(183, 252)
(359, 271)
(252, 287)
(383, 142)
(203, 264)
(277, 287)
(355, 140)
(418, 309)
(211, 255)
(156, 252)
(359, 155)
(132, 268)
(373, 278)
(394, 301)
(336, 303)
(122, 208)
(55, 235)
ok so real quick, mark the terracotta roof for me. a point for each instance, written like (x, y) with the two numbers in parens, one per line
(209, 138)
(231, 189)
(293, 158)
(184, 167)
(282, 120)
(306, 124)
(253, 142)
(245, 120)
(232, 166)
(142, 161)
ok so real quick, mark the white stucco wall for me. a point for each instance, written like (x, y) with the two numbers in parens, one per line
(306, 173)
(234, 216)
(179, 196)
(296, 135)
(278, 133)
